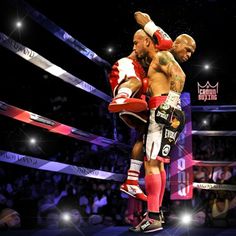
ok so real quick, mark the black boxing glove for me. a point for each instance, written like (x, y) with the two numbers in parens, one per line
(171, 117)
(163, 114)
(178, 120)
(168, 114)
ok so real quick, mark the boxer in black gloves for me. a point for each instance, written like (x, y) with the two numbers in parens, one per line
(165, 83)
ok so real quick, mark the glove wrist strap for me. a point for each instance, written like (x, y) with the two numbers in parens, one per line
(150, 28)
(172, 98)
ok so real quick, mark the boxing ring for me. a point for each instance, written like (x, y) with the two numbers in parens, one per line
(181, 170)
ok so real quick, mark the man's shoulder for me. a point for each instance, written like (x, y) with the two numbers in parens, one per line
(164, 54)
(164, 57)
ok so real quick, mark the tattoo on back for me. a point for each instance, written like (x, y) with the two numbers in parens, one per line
(163, 59)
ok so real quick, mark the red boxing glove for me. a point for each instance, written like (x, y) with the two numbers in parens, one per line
(164, 42)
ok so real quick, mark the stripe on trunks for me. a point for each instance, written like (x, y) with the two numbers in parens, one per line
(40, 164)
(48, 66)
(56, 127)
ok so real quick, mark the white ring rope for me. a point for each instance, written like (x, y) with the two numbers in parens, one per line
(214, 132)
(60, 33)
(41, 62)
(211, 186)
(213, 163)
(216, 108)
(40, 164)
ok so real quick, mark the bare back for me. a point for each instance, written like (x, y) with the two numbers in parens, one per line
(165, 74)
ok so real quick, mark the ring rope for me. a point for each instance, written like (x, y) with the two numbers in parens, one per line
(55, 127)
(217, 108)
(41, 62)
(41, 164)
(213, 163)
(214, 132)
(211, 186)
(61, 34)
(43, 122)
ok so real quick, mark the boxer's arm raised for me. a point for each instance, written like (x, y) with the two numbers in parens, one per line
(163, 40)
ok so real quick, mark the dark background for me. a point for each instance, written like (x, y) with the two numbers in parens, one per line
(100, 25)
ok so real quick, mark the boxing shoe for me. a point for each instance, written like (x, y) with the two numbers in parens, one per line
(134, 191)
(123, 103)
(147, 225)
(161, 216)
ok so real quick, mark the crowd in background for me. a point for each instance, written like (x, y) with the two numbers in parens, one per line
(34, 198)
(31, 198)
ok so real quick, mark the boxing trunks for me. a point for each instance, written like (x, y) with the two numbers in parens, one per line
(160, 138)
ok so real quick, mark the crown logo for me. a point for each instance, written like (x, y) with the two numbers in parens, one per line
(207, 91)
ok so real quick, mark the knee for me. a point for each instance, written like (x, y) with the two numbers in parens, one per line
(152, 167)
(134, 83)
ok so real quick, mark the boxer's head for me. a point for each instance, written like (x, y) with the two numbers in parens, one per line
(183, 47)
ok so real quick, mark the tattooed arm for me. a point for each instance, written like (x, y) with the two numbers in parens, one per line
(170, 67)
(170, 73)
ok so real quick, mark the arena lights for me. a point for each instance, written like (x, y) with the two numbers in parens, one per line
(18, 24)
(32, 141)
(186, 219)
(205, 122)
(110, 49)
(66, 217)
(206, 66)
